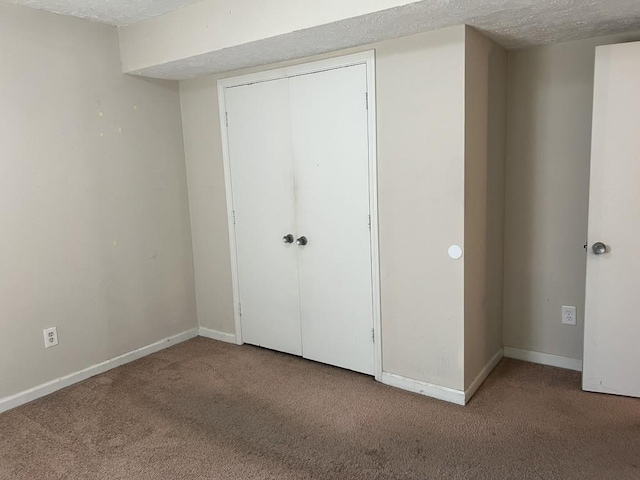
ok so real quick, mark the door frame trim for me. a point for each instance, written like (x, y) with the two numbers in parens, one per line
(364, 58)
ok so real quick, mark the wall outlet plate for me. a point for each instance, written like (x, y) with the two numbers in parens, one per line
(50, 337)
(569, 315)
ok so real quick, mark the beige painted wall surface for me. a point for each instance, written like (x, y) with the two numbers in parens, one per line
(485, 143)
(95, 235)
(420, 82)
(420, 86)
(548, 157)
(207, 201)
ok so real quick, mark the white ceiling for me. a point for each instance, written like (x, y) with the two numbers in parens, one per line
(111, 12)
(512, 23)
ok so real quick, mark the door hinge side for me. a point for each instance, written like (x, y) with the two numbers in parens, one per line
(233, 216)
(366, 100)
(239, 309)
(369, 222)
(373, 335)
(226, 118)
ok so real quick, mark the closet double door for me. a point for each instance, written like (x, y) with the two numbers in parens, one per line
(298, 156)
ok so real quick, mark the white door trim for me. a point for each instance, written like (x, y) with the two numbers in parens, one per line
(364, 58)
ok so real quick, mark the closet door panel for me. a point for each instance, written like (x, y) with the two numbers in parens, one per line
(331, 171)
(260, 157)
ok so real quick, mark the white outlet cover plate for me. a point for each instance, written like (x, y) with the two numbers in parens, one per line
(569, 315)
(50, 337)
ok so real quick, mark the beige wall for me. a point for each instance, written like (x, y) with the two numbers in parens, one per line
(420, 102)
(548, 157)
(207, 201)
(95, 235)
(485, 143)
(420, 82)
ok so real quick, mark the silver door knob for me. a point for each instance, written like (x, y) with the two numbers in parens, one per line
(288, 238)
(599, 248)
(302, 241)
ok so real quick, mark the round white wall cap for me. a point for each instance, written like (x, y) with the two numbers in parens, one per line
(455, 252)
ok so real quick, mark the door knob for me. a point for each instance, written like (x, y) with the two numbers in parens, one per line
(288, 238)
(599, 248)
(302, 241)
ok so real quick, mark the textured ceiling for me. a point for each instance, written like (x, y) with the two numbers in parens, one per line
(112, 12)
(512, 23)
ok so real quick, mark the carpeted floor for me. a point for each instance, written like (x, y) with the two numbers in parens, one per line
(209, 410)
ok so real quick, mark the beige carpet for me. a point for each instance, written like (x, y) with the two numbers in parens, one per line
(208, 410)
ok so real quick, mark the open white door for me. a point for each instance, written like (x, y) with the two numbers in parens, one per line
(612, 322)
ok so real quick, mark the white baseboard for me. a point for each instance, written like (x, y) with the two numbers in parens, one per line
(543, 358)
(216, 335)
(39, 391)
(443, 393)
(482, 376)
(439, 392)
(423, 388)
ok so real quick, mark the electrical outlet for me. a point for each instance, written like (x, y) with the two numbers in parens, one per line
(568, 315)
(50, 337)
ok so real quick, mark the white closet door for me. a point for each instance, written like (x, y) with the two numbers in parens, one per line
(331, 171)
(259, 136)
